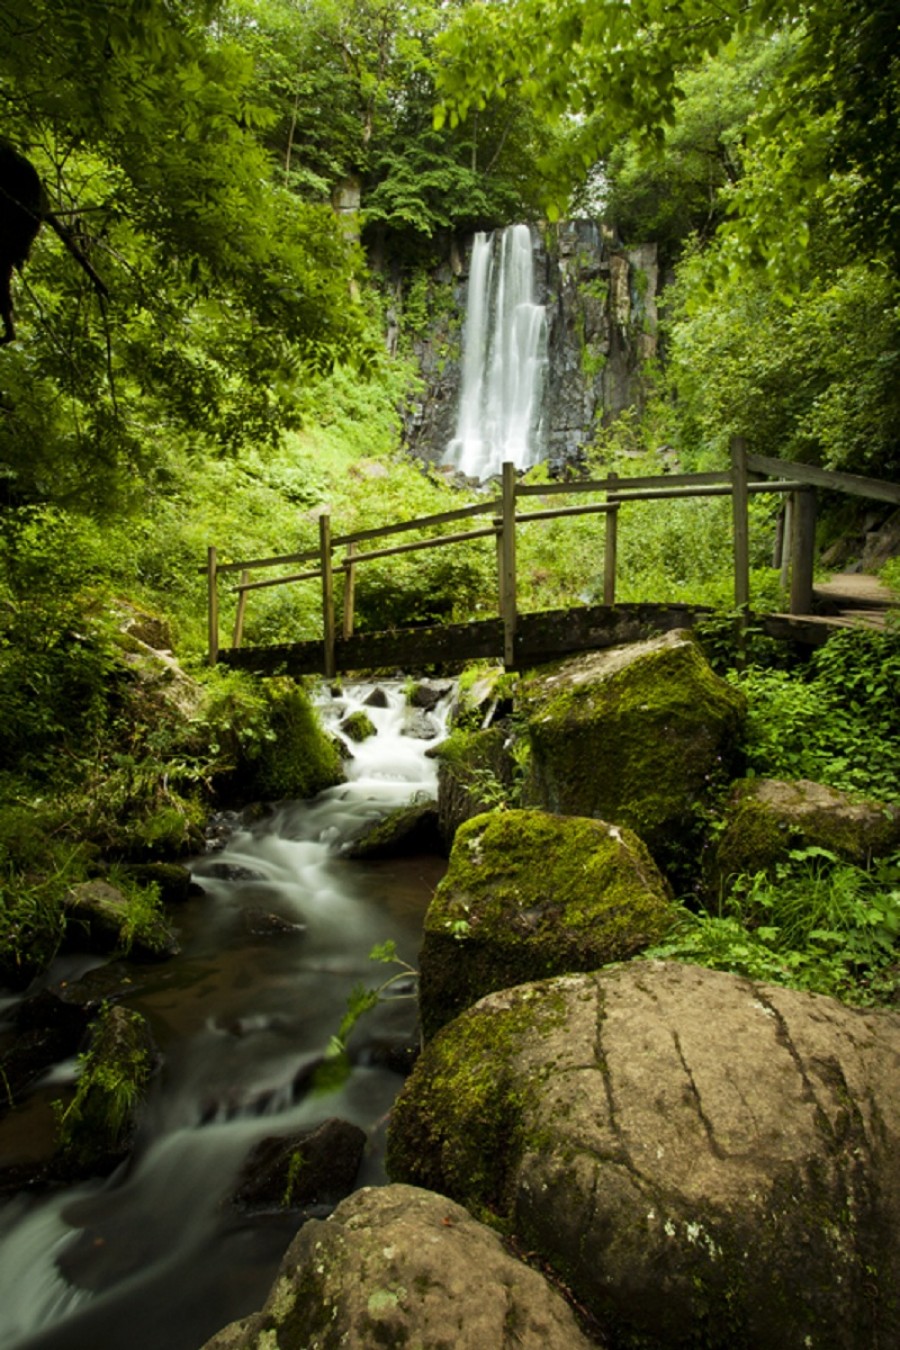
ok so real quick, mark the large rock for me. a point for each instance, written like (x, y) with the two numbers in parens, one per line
(634, 734)
(705, 1161)
(528, 894)
(395, 1266)
(765, 818)
(476, 772)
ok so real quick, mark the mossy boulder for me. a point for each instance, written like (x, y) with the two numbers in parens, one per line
(103, 918)
(528, 894)
(765, 818)
(97, 1127)
(397, 1267)
(476, 771)
(409, 829)
(358, 726)
(702, 1160)
(637, 735)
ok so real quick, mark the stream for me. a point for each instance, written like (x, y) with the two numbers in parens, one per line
(156, 1254)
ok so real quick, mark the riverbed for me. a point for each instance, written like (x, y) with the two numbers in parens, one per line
(157, 1254)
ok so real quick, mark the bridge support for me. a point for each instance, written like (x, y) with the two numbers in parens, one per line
(212, 605)
(506, 555)
(327, 596)
(803, 549)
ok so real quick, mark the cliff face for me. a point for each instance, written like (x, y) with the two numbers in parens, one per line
(600, 301)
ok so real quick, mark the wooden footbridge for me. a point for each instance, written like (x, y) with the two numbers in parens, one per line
(526, 639)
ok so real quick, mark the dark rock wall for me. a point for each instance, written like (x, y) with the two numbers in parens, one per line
(602, 317)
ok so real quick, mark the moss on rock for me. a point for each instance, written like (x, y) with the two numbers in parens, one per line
(358, 726)
(766, 818)
(527, 895)
(476, 772)
(637, 735)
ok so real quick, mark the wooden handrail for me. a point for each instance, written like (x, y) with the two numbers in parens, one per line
(797, 481)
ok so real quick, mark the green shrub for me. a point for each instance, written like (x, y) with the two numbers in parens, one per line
(836, 720)
(818, 924)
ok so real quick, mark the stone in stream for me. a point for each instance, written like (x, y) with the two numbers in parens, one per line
(314, 1168)
(397, 1266)
(358, 726)
(529, 894)
(701, 1159)
(409, 829)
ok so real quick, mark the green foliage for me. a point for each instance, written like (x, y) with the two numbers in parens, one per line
(336, 1065)
(115, 1072)
(815, 381)
(279, 746)
(819, 924)
(836, 721)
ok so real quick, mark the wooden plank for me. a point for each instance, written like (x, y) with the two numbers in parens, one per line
(508, 565)
(241, 609)
(212, 606)
(786, 545)
(437, 542)
(598, 485)
(610, 546)
(421, 523)
(857, 485)
(740, 525)
(281, 560)
(557, 513)
(349, 590)
(328, 658)
(279, 581)
(803, 550)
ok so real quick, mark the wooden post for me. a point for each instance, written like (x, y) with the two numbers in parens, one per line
(241, 607)
(327, 595)
(609, 550)
(787, 541)
(349, 592)
(741, 521)
(212, 605)
(507, 556)
(803, 548)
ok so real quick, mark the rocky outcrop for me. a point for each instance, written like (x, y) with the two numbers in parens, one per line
(395, 1266)
(635, 735)
(528, 894)
(703, 1160)
(765, 818)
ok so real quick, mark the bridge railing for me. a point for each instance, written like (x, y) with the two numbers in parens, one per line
(749, 474)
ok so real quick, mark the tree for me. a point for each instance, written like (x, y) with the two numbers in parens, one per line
(147, 126)
(613, 70)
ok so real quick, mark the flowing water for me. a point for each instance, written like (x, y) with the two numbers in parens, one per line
(504, 359)
(156, 1255)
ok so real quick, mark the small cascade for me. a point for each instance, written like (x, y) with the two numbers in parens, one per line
(157, 1254)
(504, 359)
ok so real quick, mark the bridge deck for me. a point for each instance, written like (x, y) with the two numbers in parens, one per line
(539, 637)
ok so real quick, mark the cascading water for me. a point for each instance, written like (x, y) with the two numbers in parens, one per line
(504, 359)
(156, 1254)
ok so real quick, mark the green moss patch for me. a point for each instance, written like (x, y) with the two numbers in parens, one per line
(528, 895)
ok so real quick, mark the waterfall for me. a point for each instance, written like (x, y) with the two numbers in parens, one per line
(504, 359)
